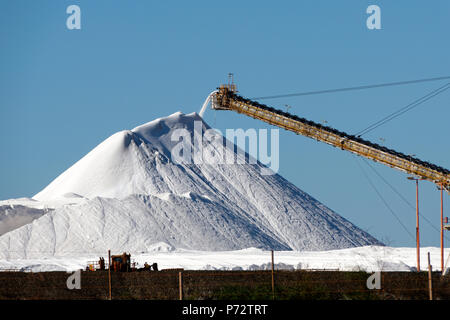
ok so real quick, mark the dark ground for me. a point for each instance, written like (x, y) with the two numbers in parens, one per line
(223, 285)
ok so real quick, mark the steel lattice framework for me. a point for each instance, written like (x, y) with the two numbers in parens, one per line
(226, 98)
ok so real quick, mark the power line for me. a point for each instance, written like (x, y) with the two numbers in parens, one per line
(404, 109)
(389, 84)
(383, 200)
(401, 196)
(390, 185)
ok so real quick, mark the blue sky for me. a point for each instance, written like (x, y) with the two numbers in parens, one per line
(64, 91)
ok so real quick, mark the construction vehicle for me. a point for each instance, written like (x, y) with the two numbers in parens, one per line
(121, 262)
(96, 265)
(149, 267)
(226, 98)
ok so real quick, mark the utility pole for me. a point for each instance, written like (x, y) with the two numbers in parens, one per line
(417, 222)
(109, 273)
(417, 226)
(430, 278)
(180, 285)
(442, 227)
(273, 282)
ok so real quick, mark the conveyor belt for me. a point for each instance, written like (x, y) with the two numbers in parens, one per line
(227, 99)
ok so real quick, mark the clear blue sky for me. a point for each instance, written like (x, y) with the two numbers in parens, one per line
(64, 91)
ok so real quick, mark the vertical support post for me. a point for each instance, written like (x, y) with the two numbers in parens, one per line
(445, 267)
(417, 226)
(273, 281)
(442, 227)
(109, 273)
(180, 285)
(430, 279)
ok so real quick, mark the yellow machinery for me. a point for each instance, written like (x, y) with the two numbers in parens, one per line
(226, 98)
(121, 262)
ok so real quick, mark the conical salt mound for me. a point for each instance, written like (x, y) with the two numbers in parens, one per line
(132, 196)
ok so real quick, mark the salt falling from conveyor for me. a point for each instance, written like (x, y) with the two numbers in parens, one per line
(205, 104)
